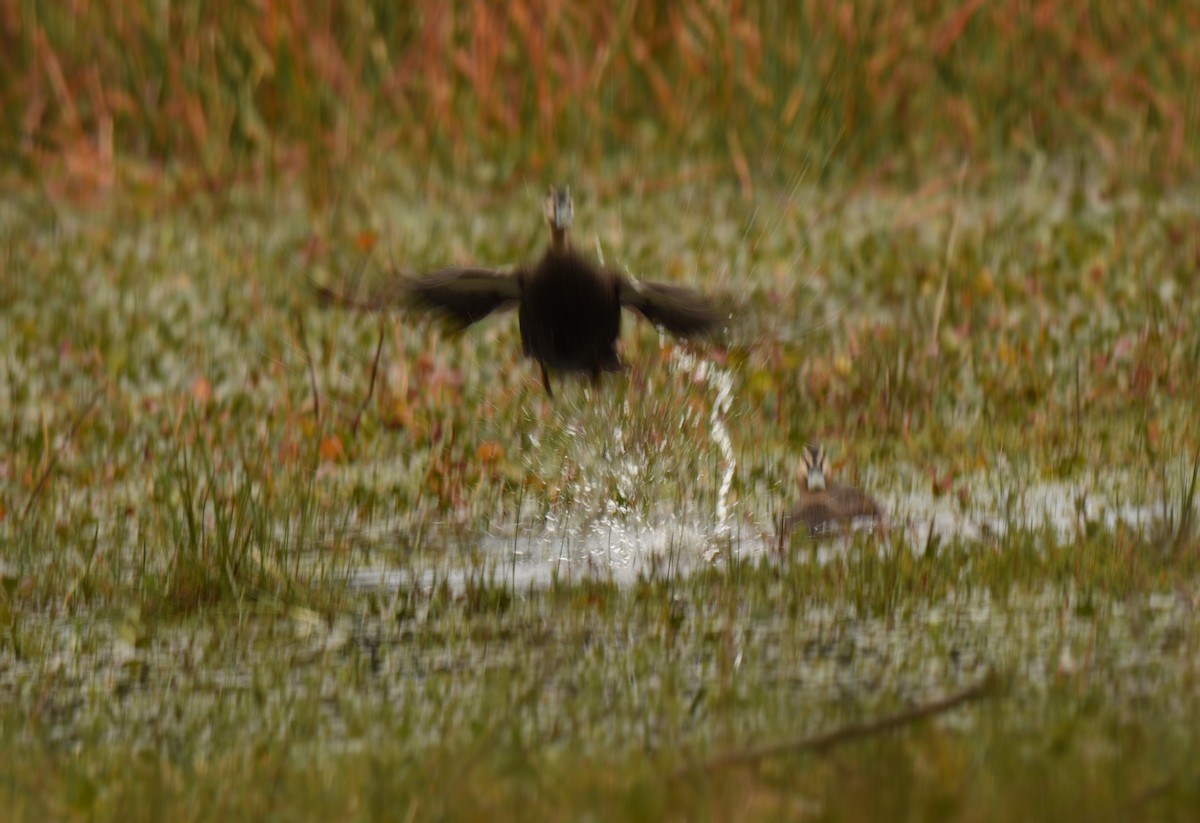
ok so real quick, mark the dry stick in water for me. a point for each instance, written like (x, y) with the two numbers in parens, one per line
(854, 731)
(45, 476)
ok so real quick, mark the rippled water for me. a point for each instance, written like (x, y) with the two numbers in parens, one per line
(621, 545)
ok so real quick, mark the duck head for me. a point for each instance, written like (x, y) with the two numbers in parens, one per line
(559, 212)
(814, 466)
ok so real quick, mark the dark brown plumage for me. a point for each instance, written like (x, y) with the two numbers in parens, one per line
(569, 308)
(824, 505)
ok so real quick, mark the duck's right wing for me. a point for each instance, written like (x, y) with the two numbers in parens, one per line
(463, 295)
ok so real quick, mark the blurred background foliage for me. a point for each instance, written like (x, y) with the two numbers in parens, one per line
(94, 93)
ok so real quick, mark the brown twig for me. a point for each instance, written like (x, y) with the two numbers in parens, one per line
(370, 388)
(44, 478)
(844, 734)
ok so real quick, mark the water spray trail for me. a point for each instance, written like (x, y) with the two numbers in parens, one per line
(721, 383)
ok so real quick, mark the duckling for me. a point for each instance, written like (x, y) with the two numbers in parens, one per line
(568, 307)
(824, 504)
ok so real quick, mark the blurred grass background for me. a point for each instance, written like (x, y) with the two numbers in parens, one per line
(94, 92)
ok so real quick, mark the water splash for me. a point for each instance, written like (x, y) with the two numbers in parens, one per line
(721, 384)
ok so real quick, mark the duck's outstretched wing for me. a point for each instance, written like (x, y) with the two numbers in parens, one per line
(463, 295)
(678, 309)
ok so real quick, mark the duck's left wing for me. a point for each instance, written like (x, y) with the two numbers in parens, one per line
(678, 309)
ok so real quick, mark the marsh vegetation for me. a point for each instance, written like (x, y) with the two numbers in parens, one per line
(260, 558)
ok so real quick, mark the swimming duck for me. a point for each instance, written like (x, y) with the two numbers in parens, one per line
(825, 505)
(568, 307)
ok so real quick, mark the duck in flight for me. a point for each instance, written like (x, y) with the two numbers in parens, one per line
(568, 307)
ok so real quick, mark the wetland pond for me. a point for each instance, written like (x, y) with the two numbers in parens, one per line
(225, 530)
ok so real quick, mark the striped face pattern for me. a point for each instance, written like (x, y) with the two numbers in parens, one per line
(814, 466)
